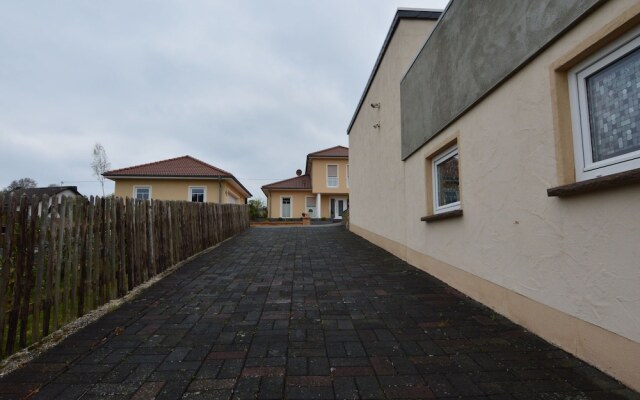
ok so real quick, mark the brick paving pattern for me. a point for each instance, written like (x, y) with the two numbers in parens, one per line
(305, 313)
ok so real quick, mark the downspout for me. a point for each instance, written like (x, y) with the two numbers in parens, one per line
(219, 190)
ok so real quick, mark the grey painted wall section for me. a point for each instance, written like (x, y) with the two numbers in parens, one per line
(475, 46)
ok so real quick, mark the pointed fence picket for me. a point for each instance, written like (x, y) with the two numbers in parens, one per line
(60, 259)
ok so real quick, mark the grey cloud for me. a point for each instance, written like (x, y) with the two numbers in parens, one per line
(249, 86)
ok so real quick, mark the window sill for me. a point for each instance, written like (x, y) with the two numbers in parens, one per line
(441, 216)
(596, 184)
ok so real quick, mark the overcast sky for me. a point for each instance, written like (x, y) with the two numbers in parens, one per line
(248, 86)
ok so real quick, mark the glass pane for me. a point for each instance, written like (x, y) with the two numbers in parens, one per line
(613, 95)
(333, 181)
(197, 195)
(447, 174)
(340, 207)
(142, 193)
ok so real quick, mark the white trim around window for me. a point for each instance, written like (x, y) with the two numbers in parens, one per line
(204, 193)
(626, 48)
(135, 191)
(337, 176)
(449, 154)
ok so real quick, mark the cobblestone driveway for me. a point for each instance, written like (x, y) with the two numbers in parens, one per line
(304, 313)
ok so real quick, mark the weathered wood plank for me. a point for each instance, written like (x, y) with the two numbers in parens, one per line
(18, 284)
(7, 252)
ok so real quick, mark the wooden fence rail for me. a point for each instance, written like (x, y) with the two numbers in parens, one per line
(61, 259)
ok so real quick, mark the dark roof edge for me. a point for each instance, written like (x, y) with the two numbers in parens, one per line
(433, 15)
(230, 176)
(284, 180)
(106, 175)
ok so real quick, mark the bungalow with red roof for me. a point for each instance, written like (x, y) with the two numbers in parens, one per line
(322, 192)
(181, 178)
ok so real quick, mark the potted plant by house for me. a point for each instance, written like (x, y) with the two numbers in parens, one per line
(306, 220)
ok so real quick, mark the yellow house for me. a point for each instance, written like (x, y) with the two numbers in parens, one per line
(508, 138)
(182, 178)
(322, 192)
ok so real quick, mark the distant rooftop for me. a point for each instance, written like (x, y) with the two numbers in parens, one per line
(179, 167)
(41, 191)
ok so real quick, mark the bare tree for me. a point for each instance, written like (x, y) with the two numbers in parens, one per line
(22, 183)
(100, 164)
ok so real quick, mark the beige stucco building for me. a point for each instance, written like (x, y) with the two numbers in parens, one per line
(182, 178)
(321, 192)
(496, 179)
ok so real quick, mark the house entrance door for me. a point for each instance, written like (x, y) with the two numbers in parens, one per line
(338, 206)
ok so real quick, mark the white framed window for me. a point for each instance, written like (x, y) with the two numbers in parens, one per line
(332, 176)
(604, 95)
(446, 181)
(197, 194)
(310, 206)
(142, 192)
(285, 207)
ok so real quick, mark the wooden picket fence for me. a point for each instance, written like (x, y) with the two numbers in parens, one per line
(61, 259)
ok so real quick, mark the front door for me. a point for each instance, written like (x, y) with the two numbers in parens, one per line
(338, 206)
(285, 211)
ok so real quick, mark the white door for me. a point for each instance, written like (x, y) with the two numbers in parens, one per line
(285, 211)
(339, 205)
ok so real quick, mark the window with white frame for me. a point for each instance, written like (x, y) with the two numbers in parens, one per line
(446, 181)
(332, 175)
(197, 194)
(142, 192)
(605, 109)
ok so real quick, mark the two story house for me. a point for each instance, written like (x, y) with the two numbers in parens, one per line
(183, 178)
(322, 192)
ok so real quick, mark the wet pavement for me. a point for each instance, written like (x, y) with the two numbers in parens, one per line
(302, 313)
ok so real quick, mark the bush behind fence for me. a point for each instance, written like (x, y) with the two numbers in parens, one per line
(61, 259)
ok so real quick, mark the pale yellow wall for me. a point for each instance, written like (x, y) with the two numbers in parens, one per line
(175, 189)
(228, 188)
(297, 202)
(576, 255)
(319, 175)
(377, 173)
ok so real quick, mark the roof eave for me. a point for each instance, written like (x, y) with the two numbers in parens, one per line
(401, 14)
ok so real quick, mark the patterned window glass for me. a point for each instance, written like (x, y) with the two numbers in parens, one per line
(197, 195)
(613, 96)
(448, 181)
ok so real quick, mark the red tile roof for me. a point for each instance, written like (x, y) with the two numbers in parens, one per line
(336, 151)
(186, 166)
(299, 182)
(331, 152)
(304, 181)
(182, 167)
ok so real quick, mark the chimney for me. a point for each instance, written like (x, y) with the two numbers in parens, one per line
(298, 172)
